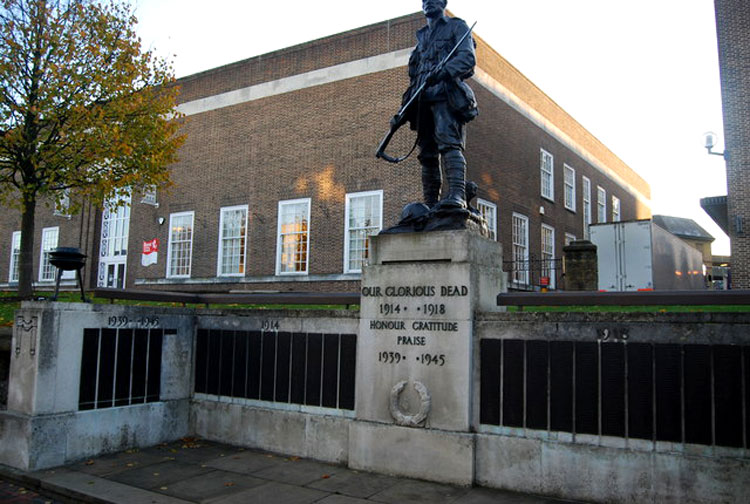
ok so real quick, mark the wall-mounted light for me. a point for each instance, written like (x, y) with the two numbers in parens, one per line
(160, 220)
(710, 142)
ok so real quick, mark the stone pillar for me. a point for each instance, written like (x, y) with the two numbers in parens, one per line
(580, 266)
(43, 425)
(417, 371)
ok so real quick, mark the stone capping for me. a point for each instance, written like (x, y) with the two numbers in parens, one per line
(435, 246)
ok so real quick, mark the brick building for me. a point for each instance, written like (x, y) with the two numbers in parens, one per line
(277, 186)
(732, 212)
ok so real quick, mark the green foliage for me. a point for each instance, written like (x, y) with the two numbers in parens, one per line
(83, 110)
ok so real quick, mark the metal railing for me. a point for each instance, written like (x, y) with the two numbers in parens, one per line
(120, 367)
(646, 298)
(675, 393)
(277, 298)
(534, 274)
(305, 369)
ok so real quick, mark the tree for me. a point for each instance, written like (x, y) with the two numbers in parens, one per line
(83, 110)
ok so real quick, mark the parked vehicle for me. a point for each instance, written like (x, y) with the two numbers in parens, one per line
(640, 255)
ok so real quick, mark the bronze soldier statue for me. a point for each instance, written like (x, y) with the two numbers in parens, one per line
(445, 105)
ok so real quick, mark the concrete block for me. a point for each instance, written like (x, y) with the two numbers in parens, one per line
(598, 474)
(428, 454)
(416, 326)
(685, 479)
(509, 463)
(318, 437)
(454, 246)
(327, 439)
(95, 432)
(15, 432)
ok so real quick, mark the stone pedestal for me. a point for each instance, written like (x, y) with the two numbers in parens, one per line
(580, 266)
(415, 361)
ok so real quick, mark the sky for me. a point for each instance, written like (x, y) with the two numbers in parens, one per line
(640, 75)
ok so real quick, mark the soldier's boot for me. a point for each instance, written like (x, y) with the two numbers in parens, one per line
(455, 171)
(431, 181)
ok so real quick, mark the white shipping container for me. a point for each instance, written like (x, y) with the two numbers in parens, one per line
(639, 255)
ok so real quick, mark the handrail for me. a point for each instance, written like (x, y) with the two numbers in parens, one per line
(640, 298)
(275, 298)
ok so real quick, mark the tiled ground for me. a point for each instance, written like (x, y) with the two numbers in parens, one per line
(11, 493)
(197, 471)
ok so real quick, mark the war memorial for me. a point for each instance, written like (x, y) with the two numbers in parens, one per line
(430, 379)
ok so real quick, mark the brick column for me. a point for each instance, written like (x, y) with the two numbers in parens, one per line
(733, 29)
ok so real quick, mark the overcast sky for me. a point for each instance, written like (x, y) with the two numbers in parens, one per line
(641, 75)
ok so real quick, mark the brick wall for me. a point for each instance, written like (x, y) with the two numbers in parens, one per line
(733, 27)
(319, 143)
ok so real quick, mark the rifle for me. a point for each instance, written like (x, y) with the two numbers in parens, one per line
(400, 117)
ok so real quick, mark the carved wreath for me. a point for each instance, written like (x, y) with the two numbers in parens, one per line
(418, 419)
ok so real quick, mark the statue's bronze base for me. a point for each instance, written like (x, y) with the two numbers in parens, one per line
(417, 217)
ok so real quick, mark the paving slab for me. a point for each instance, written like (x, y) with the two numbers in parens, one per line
(342, 499)
(211, 486)
(297, 472)
(192, 450)
(111, 464)
(193, 471)
(101, 489)
(159, 475)
(355, 483)
(245, 462)
(274, 493)
(18, 494)
(414, 492)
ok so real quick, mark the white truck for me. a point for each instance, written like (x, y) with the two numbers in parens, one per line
(640, 255)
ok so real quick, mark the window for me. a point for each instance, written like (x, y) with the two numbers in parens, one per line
(520, 273)
(489, 212)
(601, 204)
(232, 241)
(15, 256)
(570, 188)
(49, 242)
(587, 215)
(615, 209)
(569, 238)
(548, 176)
(113, 248)
(363, 219)
(62, 205)
(548, 255)
(180, 249)
(293, 237)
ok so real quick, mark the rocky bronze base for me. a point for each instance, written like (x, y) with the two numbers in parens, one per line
(417, 217)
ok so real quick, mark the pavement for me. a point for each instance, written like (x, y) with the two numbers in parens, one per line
(198, 471)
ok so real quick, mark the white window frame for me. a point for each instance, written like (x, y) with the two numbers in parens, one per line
(14, 269)
(243, 242)
(588, 216)
(520, 277)
(547, 174)
(569, 238)
(279, 237)
(547, 241)
(45, 247)
(570, 187)
(489, 212)
(616, 212)
(371, 230)
(601, 205)
(171, 243)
